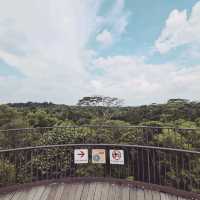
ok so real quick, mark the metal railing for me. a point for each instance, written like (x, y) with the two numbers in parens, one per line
(141, 135)
(154, 165)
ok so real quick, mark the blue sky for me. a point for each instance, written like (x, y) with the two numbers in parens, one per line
(137, 50)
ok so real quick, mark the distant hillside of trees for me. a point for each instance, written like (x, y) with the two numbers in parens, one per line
(176, 112)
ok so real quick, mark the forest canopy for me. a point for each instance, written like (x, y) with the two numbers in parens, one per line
(98, 110)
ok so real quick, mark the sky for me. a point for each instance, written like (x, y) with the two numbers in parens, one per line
(62, 50)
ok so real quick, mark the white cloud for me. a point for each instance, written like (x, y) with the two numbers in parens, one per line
(180, 28)
(116, 20)
(131, 78)
(45, 40)
(104, 38)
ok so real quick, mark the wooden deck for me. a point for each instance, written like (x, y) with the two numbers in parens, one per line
(86, 191)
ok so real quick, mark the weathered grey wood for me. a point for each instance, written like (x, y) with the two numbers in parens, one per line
(79, 191)
(133, 194)
(16, 196)
(173, 197)
(31, 193)
(39, 192)
(180, 198)
(111, 192)
(65, 193)
(105, 191)
(98, 191)
(125, 193)
(72, 189)
(52, 192)
(156, 195)
(23, 195)
(91, 191)
(164, 196)
(45, 193)
(118, 193)
(84, 194)
(87, 191)
(140, 194)
(7, 196)
(148, 195)
(59, 192)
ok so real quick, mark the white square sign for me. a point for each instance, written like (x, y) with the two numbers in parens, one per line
(117, 157)
(80, 156)
(98, 156)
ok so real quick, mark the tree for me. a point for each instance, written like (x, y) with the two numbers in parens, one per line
(11, 118)
(103, 105)
(41, 119)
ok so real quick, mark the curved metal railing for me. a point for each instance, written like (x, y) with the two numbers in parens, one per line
(154, 165)
(142, 135)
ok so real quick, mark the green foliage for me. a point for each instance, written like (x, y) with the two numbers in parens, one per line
(169, 138)
(175, 113)
(11, 118)
(41, 119)
(7, 172)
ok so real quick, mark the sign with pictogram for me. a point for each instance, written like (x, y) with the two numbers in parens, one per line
(98, 156)
(80, 156)
(117, 157)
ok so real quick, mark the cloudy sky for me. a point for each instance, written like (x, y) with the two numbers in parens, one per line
(61, 50)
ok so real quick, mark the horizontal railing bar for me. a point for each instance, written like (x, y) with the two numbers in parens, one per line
(100, 126)
(101, 145)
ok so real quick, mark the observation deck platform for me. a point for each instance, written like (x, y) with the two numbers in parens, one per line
(98, 171)
(89, 190)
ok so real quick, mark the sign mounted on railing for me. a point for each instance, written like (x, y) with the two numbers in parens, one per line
(80, 156)
(117, 157)
(99, 156)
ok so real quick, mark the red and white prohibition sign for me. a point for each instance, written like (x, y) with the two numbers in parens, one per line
(117, 157)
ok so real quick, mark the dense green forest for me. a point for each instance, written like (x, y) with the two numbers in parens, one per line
(175, 113)
(90, 122)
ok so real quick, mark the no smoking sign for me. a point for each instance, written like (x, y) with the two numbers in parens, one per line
(117, 157)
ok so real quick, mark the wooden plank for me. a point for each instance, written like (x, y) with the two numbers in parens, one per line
(118, 194)
(165, 196)
(156, 195)
(65, 193)
(7, 196)
(24, 195)
(180, 198)
(91, 191)
(17, 195)
(45, 193)
(72, 190)
(111, 192)
(31, 193)
(140, 194)
(98, 191)
(148, 195)
(52, 192)
(79, 191)
(125, 193)
(38, 192)
(84, 194)
(133, 194)
(105, 191)
(59, 191)
(172, 197)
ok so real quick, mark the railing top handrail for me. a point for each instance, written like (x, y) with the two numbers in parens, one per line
(99, 126)
(101, 145)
